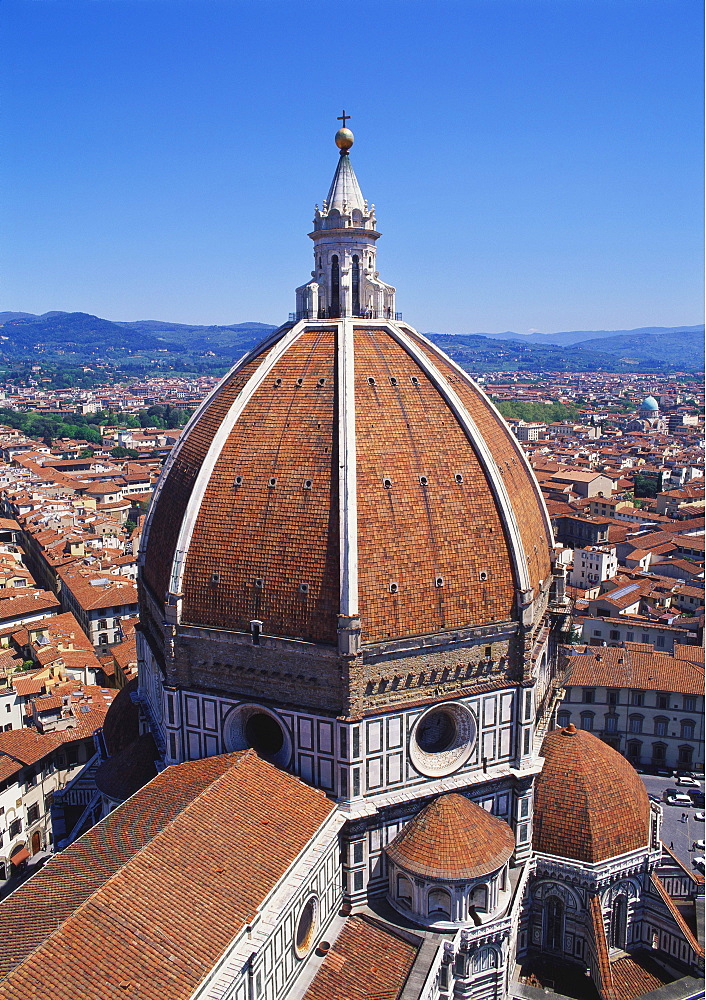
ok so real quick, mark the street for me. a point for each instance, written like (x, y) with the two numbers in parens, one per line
(676, 834)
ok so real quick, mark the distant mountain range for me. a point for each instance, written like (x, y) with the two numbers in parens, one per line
(587, 336)
(72, 337)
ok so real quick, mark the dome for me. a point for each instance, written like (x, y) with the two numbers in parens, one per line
(650, 403)
(452, 839)
(122, 721)
(346, 468)
(128, 770)
(589, 802)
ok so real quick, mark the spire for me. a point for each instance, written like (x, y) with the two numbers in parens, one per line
(345, 280)
(344, 194)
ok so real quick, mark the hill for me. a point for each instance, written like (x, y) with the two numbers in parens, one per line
(76, 338)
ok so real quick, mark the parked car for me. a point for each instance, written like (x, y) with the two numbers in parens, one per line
(699, 817)
(699, 845)
(697, 797)
(662, 772)
(680, 799)
(686, 779)
(699, 862)
(654, 798)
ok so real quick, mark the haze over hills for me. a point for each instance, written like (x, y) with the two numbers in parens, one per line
(583, 336)
(77, 337)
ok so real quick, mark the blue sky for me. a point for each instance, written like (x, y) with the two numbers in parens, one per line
(535, 164)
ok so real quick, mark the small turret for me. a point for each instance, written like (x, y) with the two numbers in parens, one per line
(345, 280)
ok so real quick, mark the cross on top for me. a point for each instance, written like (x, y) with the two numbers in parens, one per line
(343, 118)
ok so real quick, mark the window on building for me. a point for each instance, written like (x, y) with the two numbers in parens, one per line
(103, 640)
(589, 695)
(636, 698)
(686, 754)
(636, 723)
(32, 814)
(634, 751)
(358, 852)
(661, 726)
(662, 701)
(659, 642)
(613, 696)
(479, 899)
(597, 632)
(587, 721)
(102, 624)
(659, 753)
(644, 637)
(563, 719)
(404, 892)
(15, 828)
(614, 633)
(689, 703)
(630, 636)
(687, 729)
(439, 904)
(611, 723)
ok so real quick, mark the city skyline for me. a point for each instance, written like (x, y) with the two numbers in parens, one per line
(539, 165)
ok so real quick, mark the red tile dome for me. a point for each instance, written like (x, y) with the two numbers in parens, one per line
(453, 839)
(589, 802)
(347, 469)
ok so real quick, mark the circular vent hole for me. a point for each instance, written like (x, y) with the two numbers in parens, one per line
(458, 477)
(308, 483)
(300, 381)
(393, 380)
(238, 481)
(439, 581)
(303, 588)
(387, 483)
(424, 480)
(272, 482)
(264, 734)
(414, 380)
(321, 381)
(483, 576)
(371, 380)
(278, 383)
(394, 587)
(259, 582)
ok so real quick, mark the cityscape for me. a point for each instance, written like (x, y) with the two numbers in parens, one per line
(352, 605)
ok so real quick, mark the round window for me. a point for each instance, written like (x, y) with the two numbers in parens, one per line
(306, 927)
(256, 727)
(443, 739)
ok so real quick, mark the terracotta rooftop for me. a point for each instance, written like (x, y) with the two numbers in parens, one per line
(589, 802)
(453, 838)
(611, 666)
(368, 961)
(112, 897)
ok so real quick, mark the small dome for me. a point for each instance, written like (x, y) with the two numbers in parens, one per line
(453, 839)
(650, 403)
(129, 770)
(121, 725)
(589, 802)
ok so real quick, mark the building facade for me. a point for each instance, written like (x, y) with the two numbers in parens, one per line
(347, 667)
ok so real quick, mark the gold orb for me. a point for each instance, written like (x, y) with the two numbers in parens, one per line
(344, 138)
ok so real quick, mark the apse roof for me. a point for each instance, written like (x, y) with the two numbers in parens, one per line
(589, 803)
(452, 838)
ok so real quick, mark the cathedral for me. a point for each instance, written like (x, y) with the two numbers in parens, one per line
(336, 776)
